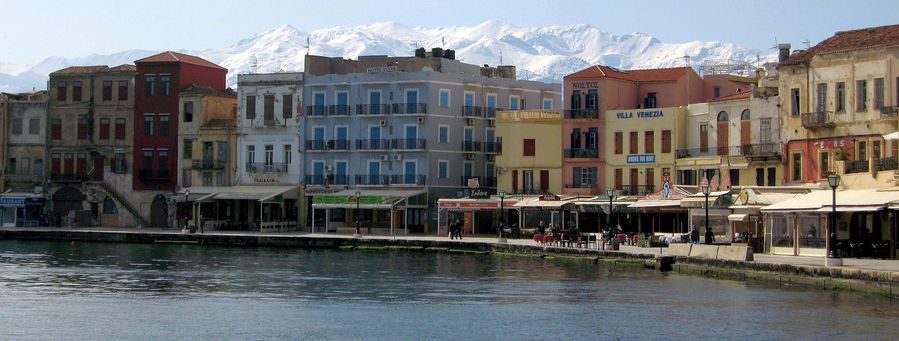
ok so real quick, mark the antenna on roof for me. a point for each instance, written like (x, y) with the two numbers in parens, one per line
(442, 42)
(254, 63)
(414, 44)
(500, 57)
(308, 45)
(807, 43)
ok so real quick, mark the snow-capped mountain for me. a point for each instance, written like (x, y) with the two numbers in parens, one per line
(540, 53)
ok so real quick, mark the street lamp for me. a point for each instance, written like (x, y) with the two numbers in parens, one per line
(833, 255)
(502, 217)
(358, 234)
(709, 237)
(187, 207)
(611, 193)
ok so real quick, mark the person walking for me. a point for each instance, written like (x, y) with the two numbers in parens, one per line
(694, 235)
(459, 227)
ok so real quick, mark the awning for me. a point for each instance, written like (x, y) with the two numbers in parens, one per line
(851, 209)
(698, 200)
(737, 217)
(536, 203)
(655, 203)
(368, 199)
(474, 204)
(891, 136)
(862, 200)
(251, 192)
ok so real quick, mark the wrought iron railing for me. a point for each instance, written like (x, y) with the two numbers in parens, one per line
(574, 153)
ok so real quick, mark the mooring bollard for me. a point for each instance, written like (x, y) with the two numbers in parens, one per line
(665, 263)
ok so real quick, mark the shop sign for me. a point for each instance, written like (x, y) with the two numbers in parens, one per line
(478, 204)
(639, 114)
(585, 85)
(479, 194)
(835, 143)
(12, 201)
(448, 204)
(549, 197)
(381, 69)
(264, 178)
(641, 158)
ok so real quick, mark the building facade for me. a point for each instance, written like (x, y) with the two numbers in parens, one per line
(89, 143)
(530, 162)
(159, 80)
(640, 148)
(23, 139)
(207, 137)
(424, 123)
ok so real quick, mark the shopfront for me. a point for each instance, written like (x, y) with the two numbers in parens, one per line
(377, 211)
(478, 215)
(718, 211)
(21, 209)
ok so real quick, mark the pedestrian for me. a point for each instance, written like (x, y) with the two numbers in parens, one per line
(694, 235)
(459, 227)
(541, 228)
(58, 220)
(452, 229)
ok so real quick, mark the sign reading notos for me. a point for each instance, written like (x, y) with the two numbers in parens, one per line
(584, 85)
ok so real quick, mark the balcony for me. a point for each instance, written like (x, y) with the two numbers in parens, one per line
(762, 151)
(316, 110)
(634, 190)
(372, 109)
(493, 147)
(491, 112)
(327, 180)
(471, 146)
(272, 122)
(372, 180)
(889, 112)
(372, 144)
(582, 185)
(262, 167)
(692, 152)
(574, 114)
(816, 120)
(209, 164)
(78, 177)
(338, 145)
(472, 111)
(30, 178)
(153, 175)
(856, 166)
(408, 180)
(338, 110)
(887, 163)
(408, 144)
(410, 108)
(316, 145)
(580, 153)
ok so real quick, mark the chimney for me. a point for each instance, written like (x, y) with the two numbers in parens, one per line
(783, 52)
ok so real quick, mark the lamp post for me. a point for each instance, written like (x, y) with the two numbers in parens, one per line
(611, 193)
(358, 234)
(187, 207)
(709, 236)
(833, 255)
(502, 217)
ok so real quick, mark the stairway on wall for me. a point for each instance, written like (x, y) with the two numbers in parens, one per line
(121, 200)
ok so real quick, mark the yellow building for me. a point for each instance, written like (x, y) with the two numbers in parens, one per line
(640, 148)
(207, 137)
(531, 158)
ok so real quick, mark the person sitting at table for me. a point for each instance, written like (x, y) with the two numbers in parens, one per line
(541, 228)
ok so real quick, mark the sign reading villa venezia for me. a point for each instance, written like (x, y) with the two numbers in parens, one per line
(639, 114)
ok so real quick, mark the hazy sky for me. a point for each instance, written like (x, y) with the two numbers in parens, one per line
(33, 30)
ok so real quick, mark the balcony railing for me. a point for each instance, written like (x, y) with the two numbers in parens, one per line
(762, 150)
(24, 177)
(316, 144)
(209, 164)
(887, 163)
(820, 119)
(581, 113)
(372, 180)
(472, 111)
(410, 108)
(78, 177)
(491, 112)
(316, 110)
(691, 152)
(373, 109)
(338, 110)
(409, 144)
(581, 185)
(471, 146)
(272, 122)
(889, 112)
(338, 145)
(368, 144)
(493, 147)
(326, 180)
(408, 179)
(635, 190)
(574, 153)
(262, 167)
(856, 166)
(488, 181)
(153, 175)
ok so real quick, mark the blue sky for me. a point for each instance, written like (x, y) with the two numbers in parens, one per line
(34, 30)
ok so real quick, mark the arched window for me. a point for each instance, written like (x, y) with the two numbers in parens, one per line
(722, 116)
(745, 115)
(109, 206)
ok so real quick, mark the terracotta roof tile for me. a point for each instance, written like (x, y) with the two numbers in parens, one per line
(736, 96)
(866, 38)
(80, 70)
(175, 57)
(644, 75)
(194, 89)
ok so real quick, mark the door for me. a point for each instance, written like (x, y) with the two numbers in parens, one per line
(374, 173)
(342, 142)
(491, 106)
(544, 181)
(374, 101)
(722, 128)
(745, 131)
(634, 181)
(159, 212)
(318, 138)
(318, 173)
(411, 136)
(412, 101)
(98, 169)
(340, 170)
(374, 138)
(410, 171)
(69, 165)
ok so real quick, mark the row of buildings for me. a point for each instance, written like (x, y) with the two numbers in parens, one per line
(381, 140)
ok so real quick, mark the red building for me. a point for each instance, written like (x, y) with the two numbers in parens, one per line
(160, 78)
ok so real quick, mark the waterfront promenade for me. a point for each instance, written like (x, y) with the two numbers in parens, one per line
(878, 265)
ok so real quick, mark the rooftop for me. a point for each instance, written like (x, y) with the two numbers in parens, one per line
(194, 89)
(866, 38)
(645, 75)
(175, 57)
(82, 70)
(736, 96)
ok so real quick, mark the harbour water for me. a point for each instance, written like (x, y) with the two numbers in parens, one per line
(60, 290)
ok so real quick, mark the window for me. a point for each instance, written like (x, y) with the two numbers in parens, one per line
(796, 167)
(76, 91)
(650, 100)
(575, 138)
(633, 143)
(592, 101)
(444, 98)
(188, 111)
(765, 130)
(269, 155)
(186, 180)
(649, 142)
(824, 164)
(878, 93)
(443, 169)
(39, 167)
(163, 125)
(287, 106)
(592, 138)
(875, 149)
(528, 181)
(34, 126)
(61, 91)
(703, 138)
(862, 150)
(861, 95)
(166, 82)
(666, 141)
(491, 105)
(268, 107)
(513, 102)
(17, 126)
(82, 127)
(148, 125)
(515, 181)
(547, 103)
(163, 155)
(187, 149)
(118, 163)
(109, 206)
(207, 178)
(650, 179)
(107, 90)
(444, 134)
(150, 81)
(759, 176)
(56, 129)
(104, 129)
(148, 160)
(288, 156)
(251, 107)
(529, 147)
(716, 92)
(575, 100)
(794, 101)
(821, 98)
(223, 150)
(619, 142)
(619, 177)
(841, 97)
(588, 176)
(772, 175)
(11, 169)
(251, 154)
(123, 90)
(734, 177)
(120, 128)
(343, 102)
